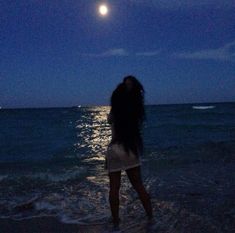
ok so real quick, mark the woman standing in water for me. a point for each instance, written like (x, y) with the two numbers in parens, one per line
(123, 153)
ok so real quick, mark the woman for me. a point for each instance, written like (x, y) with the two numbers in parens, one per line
(123, 153)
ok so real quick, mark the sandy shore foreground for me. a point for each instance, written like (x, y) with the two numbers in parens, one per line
(45, 225)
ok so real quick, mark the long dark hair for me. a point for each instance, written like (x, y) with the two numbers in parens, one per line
(128, 114)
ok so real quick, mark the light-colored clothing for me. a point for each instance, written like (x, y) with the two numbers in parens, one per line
(118, 159)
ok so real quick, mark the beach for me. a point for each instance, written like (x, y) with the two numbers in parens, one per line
(187, 199)
(52, 178)
(44, 224)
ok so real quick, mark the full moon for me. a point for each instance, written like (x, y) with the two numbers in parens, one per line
(103, 10)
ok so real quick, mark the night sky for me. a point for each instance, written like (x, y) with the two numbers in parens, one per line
(62, 53)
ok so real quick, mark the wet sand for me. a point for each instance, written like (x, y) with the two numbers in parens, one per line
(45, 225)
(187, 197)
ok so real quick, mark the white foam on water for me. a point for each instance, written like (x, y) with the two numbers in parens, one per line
(89, 219)
(2, 177)
(63, 176)
(19, 217)
(203, 107)
(81, 207)
(42, 205)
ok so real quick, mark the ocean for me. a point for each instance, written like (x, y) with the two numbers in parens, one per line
(52, 164)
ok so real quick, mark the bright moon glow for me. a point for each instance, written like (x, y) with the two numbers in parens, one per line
(103, 9)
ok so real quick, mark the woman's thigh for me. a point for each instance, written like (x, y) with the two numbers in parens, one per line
(134, 175)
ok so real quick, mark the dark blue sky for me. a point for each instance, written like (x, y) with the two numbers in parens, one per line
(62, 53)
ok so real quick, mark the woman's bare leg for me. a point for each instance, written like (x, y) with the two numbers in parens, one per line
(114, 179)
(134, 175)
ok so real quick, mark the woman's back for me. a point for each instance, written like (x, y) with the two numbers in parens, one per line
(127, 114)
(123, 153)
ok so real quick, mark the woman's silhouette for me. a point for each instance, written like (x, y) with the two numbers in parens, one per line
(126, 117)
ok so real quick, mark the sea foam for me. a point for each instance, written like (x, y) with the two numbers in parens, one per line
(203, 107)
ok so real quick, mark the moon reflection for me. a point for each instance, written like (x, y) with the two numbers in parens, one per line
(94, 133)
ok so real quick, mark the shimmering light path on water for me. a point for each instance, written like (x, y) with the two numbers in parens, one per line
(52, 163)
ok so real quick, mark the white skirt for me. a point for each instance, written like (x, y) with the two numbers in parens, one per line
(117, 159)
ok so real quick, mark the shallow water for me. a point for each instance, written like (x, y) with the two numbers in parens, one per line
(52, 163)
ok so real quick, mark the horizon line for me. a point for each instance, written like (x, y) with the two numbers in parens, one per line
(103, 105)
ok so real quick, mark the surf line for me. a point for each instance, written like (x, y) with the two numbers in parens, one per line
(203, 107)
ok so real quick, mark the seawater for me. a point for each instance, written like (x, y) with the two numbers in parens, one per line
(52, 163)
